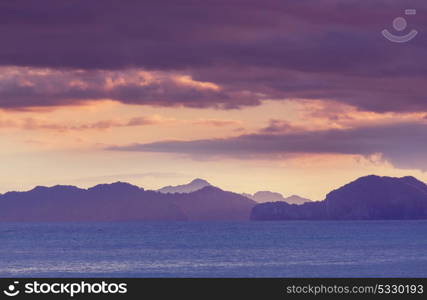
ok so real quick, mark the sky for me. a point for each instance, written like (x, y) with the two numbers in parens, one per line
(297, 97)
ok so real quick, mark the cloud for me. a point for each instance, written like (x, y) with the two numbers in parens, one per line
(169, 35)
(21, 88)
(226, 53)
(216, 122)
(41, 124)
(403, 144)
(279, 126)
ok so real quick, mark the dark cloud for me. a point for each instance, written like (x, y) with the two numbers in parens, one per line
(23, 87)
(330, 49)
(404, 144)
(169, 34)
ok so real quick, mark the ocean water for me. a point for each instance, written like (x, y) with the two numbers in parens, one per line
(215, 249)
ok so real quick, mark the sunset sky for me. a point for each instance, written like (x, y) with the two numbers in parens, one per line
(298, 97)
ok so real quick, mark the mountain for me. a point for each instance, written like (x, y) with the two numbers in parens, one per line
(267, 196)
(121, 202)
(107, 202)
(375, 197)
(193, 186)
(295, 199)
(211, 203)
(367, 198)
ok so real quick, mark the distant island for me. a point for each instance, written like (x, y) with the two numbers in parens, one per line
(267, 196)
(367, 198)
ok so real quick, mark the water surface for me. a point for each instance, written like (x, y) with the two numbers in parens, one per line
(215, 249)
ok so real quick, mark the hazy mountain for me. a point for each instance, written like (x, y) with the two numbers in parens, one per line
(121, 202)
(295, 199)
(193, 186)
(212, 203)
(367, 198)
(267, 196)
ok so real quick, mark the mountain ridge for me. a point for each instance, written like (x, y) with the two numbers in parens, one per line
(366, 198)
(194, 185)
(121, 201)
(267, 196)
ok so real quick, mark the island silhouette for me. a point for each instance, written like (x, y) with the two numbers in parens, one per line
(367, 198)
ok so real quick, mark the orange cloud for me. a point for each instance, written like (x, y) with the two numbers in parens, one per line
(40, 124)
(217, 122)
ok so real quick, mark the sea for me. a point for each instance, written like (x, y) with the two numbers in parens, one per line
(215, 249)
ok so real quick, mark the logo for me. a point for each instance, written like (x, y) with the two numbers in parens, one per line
(400, 24)
(11, 290)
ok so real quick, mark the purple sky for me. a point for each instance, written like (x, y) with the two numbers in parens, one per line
(239, 80)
